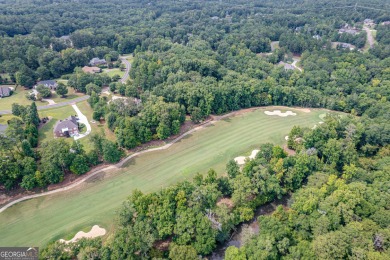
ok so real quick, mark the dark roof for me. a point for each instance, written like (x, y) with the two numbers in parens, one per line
(5, 91)
(46, 82)
(70, 122)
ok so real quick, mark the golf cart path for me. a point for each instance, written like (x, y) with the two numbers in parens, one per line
(82, 119)
(123, 161)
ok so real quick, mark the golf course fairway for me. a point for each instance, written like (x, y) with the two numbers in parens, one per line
(37, 221)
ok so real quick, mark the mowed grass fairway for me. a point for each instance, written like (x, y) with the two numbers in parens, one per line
(38, 221)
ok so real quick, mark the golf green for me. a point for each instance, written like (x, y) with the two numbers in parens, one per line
(37, 221)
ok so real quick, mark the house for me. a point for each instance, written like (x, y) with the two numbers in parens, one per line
(368, 21)
(349, 29)
(91, 70)
(317, 37)
(386, 23)
(4, 91)
(66, 128)
(97, 61)
(347, 46)
(287, 66)
(47, 83)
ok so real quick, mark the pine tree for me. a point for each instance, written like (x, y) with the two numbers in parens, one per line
(33, 116)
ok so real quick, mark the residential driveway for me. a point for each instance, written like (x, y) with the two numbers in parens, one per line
(62, 104)
(295, 63)
(370, 37)
(82, 119)
(128, 67)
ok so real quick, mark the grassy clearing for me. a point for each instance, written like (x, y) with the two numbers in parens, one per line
(38, 221)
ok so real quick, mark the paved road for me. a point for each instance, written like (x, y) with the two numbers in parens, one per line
(62, 104)
(128, 67)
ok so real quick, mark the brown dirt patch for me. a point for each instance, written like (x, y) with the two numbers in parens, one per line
(226, 201)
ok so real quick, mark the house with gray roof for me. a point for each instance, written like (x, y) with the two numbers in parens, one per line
(52, 84)
(5, 91)
(97, 61)
(66, 128)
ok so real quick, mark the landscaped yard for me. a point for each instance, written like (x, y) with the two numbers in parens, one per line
(60, 113)
(97, 200)
(5, 118)
(19, 96)
(113, 72)
(72, 94)
(46, 131)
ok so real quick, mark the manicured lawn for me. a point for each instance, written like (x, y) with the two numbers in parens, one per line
(72, 94)
(46, 131)
(19, 97)
(113, 72)
(60, 113)
(5, 118)
(38, 221)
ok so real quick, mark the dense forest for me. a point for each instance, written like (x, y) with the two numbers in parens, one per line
(197, 58)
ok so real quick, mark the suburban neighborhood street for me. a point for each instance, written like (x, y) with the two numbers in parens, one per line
(128, 66)
(62, 104)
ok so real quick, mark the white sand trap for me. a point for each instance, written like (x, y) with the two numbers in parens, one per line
(253, 154)
(280, 113)
(240, 160)
(286, 137)
(321, 122)
(96, 231)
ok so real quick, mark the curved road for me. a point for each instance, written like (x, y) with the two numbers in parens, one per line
(128, 67)
(120, 164)
(62, 104)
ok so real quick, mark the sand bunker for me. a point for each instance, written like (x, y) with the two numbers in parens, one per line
(253, 154)
(96, 231)
(286, 137)
(240, 160)
(280, 113)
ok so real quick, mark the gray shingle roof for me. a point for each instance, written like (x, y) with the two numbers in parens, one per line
(69, 123)
(5, 91)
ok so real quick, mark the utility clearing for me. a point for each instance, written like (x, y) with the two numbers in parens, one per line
(96, 200)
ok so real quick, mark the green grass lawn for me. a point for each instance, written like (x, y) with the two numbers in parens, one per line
(60, 113)
(113, 72)
(72, 94)
(19, 97)
(46, 131)
(38, 221)
(5, 118)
